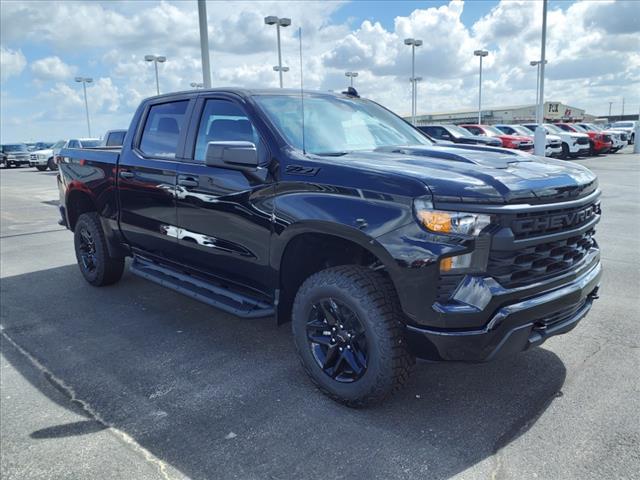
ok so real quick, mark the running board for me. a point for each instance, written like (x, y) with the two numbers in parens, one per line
(206, 292)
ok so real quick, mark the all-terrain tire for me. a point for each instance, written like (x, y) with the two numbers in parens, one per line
(103, 269)
(372, 298)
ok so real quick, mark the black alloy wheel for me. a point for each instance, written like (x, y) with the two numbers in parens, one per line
(87, 250)
(337, 340)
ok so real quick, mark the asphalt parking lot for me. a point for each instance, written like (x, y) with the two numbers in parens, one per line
(135, 381)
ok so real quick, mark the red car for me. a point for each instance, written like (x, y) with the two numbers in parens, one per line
(508, 141)
(600, 142)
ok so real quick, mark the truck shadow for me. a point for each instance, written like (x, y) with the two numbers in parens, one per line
(217, 396)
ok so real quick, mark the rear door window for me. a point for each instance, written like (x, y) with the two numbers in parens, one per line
(115, 139)
(162, 129)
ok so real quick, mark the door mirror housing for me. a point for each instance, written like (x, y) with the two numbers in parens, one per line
(237, 155)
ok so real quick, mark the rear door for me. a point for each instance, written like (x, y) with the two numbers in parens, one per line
(224, 215)
(147, 179)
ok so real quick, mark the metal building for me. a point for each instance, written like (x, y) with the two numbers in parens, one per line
(553, 112)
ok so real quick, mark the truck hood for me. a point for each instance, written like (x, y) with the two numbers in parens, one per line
(479, 174)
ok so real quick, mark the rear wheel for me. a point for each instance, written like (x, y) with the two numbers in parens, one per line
(565, 151)
(96, 264)
(347, 327)
(41, 168)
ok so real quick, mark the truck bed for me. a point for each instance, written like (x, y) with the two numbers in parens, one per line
(109, 155)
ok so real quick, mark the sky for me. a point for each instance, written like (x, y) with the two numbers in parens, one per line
(593, 50)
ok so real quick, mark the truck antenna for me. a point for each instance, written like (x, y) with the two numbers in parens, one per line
(304, 150)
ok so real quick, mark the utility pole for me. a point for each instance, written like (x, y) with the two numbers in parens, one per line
(84, 81)
(413, 43)
(610, 103)
(622, 114)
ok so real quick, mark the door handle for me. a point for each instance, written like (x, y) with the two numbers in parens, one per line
(188, 181)
(126, 174)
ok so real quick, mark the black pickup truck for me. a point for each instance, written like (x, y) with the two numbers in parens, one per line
(377, 245)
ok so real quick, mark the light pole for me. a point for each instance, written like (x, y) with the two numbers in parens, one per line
(413, 43)
(204, 43)
(197, 85)
(351, 76)
(610, 103)
(84, 81)
(481, 54)
(156, 59)
(280, 71)
(540, 136)
(414, 81)
(278, 22)
(536, 63)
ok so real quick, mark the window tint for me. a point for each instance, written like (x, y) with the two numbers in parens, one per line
(475, 130)
(162, 129)
(73, 144)
(223, 120)
(115, 139)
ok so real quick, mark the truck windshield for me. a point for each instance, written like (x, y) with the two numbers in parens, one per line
(457, 131)
(15, 148)
(337, 125)
(520, 130)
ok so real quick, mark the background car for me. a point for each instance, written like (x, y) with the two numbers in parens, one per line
(13, 155)
(518, 142)
(599, 142)
(72, 143)
(553, 145)
(627, 127)
(113, 138)
(573, 144)
(456, 134)
(618, 138)
(42, 157)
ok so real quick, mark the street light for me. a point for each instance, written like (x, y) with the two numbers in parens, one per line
(414, 81)
(84, 81)
(278, 22)
(351, 76)
(540, 135)
(414, 43)
(156, 59)
(536, 63)
(481, 54)
(197, 85)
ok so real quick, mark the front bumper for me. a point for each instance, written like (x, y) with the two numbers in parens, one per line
(553, 150)
(513, 326)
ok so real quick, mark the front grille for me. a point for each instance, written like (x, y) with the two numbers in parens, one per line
(523, 266)
(561, 315)
(583, 141)
(607, 138)
(623, 137)
(533, 224)
(526, 146)
(33, 157)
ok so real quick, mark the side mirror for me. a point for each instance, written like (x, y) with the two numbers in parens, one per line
(237, 155)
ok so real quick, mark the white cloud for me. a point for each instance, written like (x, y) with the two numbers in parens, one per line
(12, 62)
(52, 68)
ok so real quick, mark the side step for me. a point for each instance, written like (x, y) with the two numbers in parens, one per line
(206, 292)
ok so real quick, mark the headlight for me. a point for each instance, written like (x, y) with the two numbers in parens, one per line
(438, 221)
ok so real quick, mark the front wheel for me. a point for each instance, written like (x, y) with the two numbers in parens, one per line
(52, 164)
(41, 168)
(565, 151)
(347, 328)
(98, 267)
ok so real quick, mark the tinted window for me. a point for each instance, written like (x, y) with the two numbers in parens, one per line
(162, 129)
(221, 121)
(89, 143)
(73, 144)
(475, 130)
(115, 139)
(14, 148)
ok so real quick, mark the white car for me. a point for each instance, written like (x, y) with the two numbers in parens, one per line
(553, 147)
(71, 143)
(43, 159)
(573, 144)
(627, 127)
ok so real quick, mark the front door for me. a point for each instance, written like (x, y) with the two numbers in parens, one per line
(147, 181)
(224, 215)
